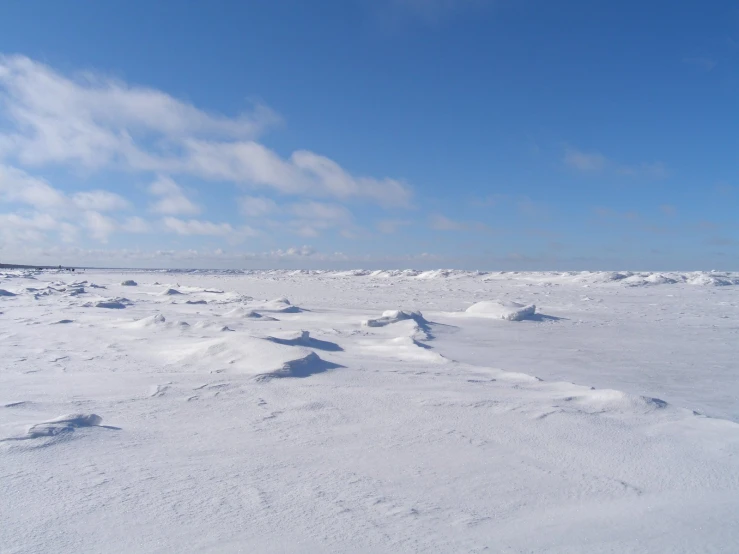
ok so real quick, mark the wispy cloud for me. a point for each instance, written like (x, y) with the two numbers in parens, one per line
(100, 201)
(702, 63)
(310, 218)
(56, 212)
(585, 161)
(207, 228)
(596, 163)
(171, 198)
(99, 225)
(92, 123)
(256, 206)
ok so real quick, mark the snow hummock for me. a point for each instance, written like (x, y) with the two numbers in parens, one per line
(278, 305)
(150, 321)
(502, 309)
(62, 424)
(110, 303)
(129, 283)
(253, 356)
(393, 316)
(242, 312)
(581, 432)
(171, 292)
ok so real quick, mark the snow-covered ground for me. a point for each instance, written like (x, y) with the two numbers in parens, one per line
(363, 411)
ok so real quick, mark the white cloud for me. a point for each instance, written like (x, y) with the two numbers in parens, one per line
(56, 212)
(92, 123)
(256, 206)
(294, 252)
(322, 214)
(304, 173)
(207, 228)
(594, 162)
(99, 225)
(337, 182)
(172, 199)
(313, 217)
(100, 201)
(197, 227)
(18, 186)
(135, 224)
(16, 228)
(585, 161)
(68, 232)
(24, 230)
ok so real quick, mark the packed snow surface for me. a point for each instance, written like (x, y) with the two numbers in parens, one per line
(374, 411)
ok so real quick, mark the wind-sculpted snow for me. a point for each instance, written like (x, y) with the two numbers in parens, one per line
(394, 316)
(57, 426)
(626, 278)
(116, 303)
(502, 309)
(464, 420)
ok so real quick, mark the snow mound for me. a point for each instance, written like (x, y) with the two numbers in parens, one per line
(109, 303)
(4, 292)
(502, 309)
(406, 349)
(709, 280)
(151, 321)
(647, 279)
(253, 356)
(393, 316)
(196, 302)
(608, 400)
(279, 305)
(207, 325)
(596, 277)
(129, 283)
(170, 292)
(201, 290)
(243, 312)
(62, 424)
(291, 337)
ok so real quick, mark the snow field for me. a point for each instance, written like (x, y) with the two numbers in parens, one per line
(201, 427)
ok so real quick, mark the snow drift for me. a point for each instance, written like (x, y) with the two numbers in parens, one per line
(502, 309)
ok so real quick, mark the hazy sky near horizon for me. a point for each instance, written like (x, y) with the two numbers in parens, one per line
(478, 134)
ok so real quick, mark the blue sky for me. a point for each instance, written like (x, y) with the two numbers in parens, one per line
(479, 134)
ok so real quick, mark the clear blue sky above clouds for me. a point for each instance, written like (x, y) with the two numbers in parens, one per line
(500, 134)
